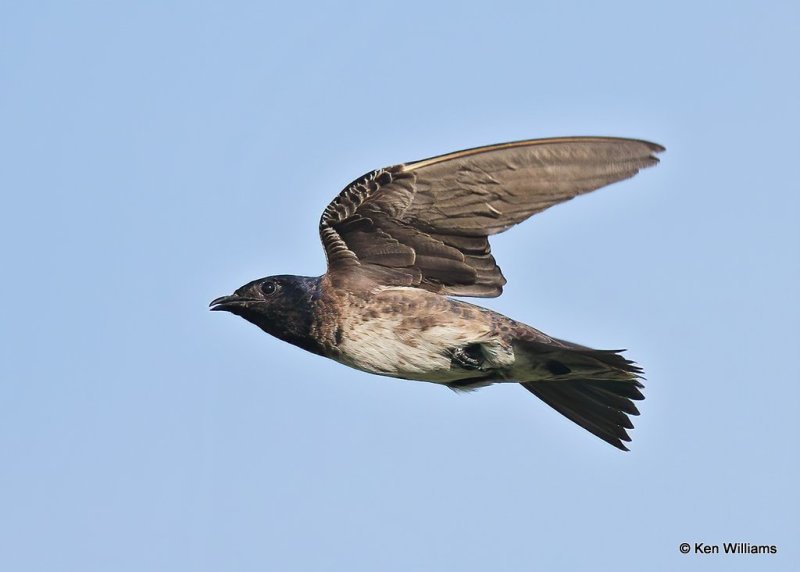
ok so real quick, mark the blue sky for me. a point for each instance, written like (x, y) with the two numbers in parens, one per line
(157, 155)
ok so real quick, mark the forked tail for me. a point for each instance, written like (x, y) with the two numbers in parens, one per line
(593, 388)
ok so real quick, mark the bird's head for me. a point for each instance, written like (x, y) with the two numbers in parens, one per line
(282, 306)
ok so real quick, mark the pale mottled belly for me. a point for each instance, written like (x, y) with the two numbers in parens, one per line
(393, 346)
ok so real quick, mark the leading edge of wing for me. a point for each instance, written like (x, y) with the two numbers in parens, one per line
(414, 165)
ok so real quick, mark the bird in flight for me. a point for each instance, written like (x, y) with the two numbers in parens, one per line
(400, 241)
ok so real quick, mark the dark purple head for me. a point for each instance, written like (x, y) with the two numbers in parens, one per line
(282, 306)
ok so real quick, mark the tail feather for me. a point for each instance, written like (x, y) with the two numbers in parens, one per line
(611, 399)
(593, 388)
(570, 399)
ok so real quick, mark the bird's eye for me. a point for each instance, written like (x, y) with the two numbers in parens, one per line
(269, 288)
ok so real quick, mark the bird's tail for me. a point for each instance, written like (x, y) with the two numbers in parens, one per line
(593, 388)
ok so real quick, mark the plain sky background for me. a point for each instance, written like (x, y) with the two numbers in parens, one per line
(155, 155)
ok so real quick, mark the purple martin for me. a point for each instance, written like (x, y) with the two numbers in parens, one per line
(400, 241)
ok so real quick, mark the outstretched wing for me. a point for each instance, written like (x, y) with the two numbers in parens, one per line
(427, 223)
